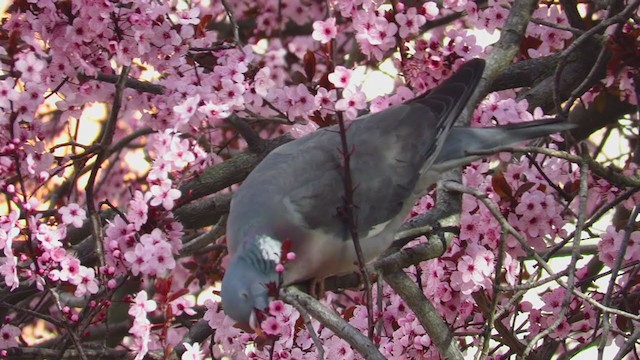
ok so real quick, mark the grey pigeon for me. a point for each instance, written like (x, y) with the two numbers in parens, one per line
(296, 192)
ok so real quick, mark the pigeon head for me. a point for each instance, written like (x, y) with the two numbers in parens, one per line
(245, 291)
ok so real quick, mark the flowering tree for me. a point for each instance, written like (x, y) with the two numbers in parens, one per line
(109, 235)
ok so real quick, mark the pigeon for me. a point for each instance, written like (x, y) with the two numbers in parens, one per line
(293, 200)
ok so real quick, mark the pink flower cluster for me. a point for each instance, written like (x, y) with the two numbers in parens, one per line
(141, 329)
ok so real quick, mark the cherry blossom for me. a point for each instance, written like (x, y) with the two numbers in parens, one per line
(192, 352)
(431, 10)
(164, 194)
(72, 214)
(325, 100)
(410, 22)
(30, 67)
(351, 102)
(340, 77)
(325, 31)
(8, 334)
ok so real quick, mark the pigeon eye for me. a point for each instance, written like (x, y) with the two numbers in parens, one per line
(244, 296)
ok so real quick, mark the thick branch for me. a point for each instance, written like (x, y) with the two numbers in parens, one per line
(227, 173)
(142, 86)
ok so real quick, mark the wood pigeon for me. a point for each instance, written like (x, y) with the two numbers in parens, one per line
(295, 194)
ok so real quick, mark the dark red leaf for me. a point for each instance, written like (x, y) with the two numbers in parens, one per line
(309, 62)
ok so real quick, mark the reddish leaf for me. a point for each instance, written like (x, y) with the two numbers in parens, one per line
(542, 187)
(163, 287)
(501, 186)
(325, 83)
(272, 289)
(600, 102)
(287, 245)
(309, 62)
(19, 6)
(527, 43)
(348, 313)
(298, 78)
(523, 189)
(202, 26)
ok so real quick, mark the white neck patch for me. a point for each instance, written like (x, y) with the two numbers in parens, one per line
(270, 248)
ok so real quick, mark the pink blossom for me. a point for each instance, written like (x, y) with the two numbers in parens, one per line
(141, 328)
(233, 71)
(215, 112)
(380, 103)
(431, 10)
(30, 66)
(6, 239)
(193, 352)
(271, 326)
(610, 246)
(9, 269)
(263, 82)
(179, 153)
(298, 101)
(340, 77)
(325, 100)
(231, 94)
(213, 315)
(338, 349)
(183, 304)
(138, 209)
(351, 102)
(141, 305)
(324, 31)
(410, 22)
(189, 17)
(72, 214)
(153, 255)
(300, 129)
(8, 334)
(7, 94)
(186, 109)
(374, 33)
(164, 194)
(69, 269)
(85, 282)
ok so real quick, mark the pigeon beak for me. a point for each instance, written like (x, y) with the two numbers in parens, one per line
(254, 324)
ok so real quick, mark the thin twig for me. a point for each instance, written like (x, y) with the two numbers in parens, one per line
(350, 218)
(606, 326)
(105, 141)
(494, 300)
(611, 174)
(334, 322)
(552, 25)
(234, 24)
(628, 345)
(307, 323)
(35, 314)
